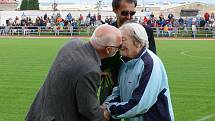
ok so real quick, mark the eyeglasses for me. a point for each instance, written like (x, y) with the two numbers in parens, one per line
(117, 47)
(126, 13)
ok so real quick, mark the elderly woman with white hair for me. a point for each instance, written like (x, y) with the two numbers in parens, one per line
(143, 92)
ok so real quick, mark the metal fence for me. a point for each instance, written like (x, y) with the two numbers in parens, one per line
(184, 32)
(46, 31)
(88, 30)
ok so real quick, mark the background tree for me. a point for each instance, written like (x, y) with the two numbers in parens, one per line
(99, 5)
(29, 5)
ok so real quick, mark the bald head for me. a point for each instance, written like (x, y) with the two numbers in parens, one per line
(106, 35)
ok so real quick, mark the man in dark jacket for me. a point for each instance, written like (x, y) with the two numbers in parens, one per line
(124, 10)
(69, 92)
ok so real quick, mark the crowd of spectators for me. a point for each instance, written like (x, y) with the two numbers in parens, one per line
(162, 25)
(56, 23)
(171, 25)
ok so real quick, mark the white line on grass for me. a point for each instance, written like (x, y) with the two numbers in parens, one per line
(184, 38)
(192, 56)
(187, 94)
(206, 117)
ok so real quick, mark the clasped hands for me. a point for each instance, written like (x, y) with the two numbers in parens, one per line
(106, 113)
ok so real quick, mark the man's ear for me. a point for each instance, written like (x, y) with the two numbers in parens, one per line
(108, 50)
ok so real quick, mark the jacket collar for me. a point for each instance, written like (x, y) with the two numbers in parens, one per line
(130, 60)
(115, 24)
(93, 51)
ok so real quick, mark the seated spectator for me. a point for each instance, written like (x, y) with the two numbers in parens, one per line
(166, 30)
(59, 19)
(48, 26)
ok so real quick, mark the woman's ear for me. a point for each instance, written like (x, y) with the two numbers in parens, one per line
(115, 10)
(137, 44)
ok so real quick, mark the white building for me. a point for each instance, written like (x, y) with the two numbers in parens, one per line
(6, 5)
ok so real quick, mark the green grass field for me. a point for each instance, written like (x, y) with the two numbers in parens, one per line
(24, 64)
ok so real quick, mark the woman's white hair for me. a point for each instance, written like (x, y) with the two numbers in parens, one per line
(138, 32)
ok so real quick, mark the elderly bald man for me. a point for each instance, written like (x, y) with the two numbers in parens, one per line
(69, 92)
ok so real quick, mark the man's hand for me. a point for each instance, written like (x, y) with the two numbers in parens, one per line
(103, 106)
(106, 113)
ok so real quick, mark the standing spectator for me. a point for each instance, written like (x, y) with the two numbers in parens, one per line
(158, 28)
(111, 20)
(152, 15)
(30, 20)
(94, 19)
(176, 25)
(202, 22)
(170, 16)
(69, 17)
(37, 21)
(162, 21)
(81, 17)
(59, 19)
(207, 16)
(75, 25)
(52, 21)
(57, 29)
(166, 30)
(48, 26)
(61, 24)
(185, 30)
(181, 21)
(10, 23)
(213, 29)
(135, 19)
(99, 17)
(161, 17)
(2, 30)
(212, 16)
(87, 21)
(25, 30)
(107, 20)
(154, 21)
(207, 28)
(145, 20)
(45, 16)
(70, 29)
(17, 21)
(194, 29)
